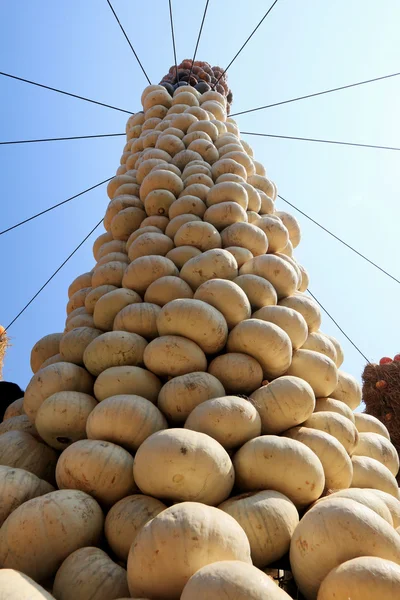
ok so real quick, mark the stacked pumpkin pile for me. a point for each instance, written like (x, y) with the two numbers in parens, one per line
(192, 415)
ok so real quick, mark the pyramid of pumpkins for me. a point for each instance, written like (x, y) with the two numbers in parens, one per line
(191, 428)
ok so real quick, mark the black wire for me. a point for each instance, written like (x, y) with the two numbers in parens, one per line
(343, 87)
(303, 139)
(198, 39)
(339, 239)
(52, 277)
(127, 39)
(173, 38)
(248, 39)
(60, 139)
(338, 326)
(46, 87)
(53, 207)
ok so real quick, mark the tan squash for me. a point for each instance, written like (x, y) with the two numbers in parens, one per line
(114, 349)
(370, 473)
(189, 536)
(232, 580)
(74, 518)
(55, 378)
(61, 418)
(338, 468)
(47, 346)
(287, 319)
(227, 297)
(166, 289)
(74, 343)
(378, 447)
(96, 293)
(19, 423)
(90, 573)
(337, 425)
(331, 405)
(126, 518)
(196, 320)
(284, 403)
(15, 409)
(274, 269)
(139, 319)
(20, 449)
(212, 264)
(99, 468)
(238, 373)
(365, 423)
(241, 255)
(307, 307)
(127, 380)
(172, 355)
(146, 269)
(16, 487)
(126, 420)
(317, 369)
(333, 532)
(258, 290)
(245, 235)
(184, 465)
(230, 420)
(109, 305)
(181, 255)
(318, 342)
(268, 518)
(266, 342)
(260, 463)
(179, 396)
(150, 244)
(18, 586)
(348, 390)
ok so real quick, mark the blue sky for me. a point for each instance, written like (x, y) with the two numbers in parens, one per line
(302, 47)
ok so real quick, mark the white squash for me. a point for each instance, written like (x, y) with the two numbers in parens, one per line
(365, 497)
(126, 518)
(261, 463)
(258, 290)
(287, 319)
(292, 226)
(140, 319)
(348, 390)
(187, 205)
(333, 532)
(277, 271)
(365, 423)
(189, 536)
(331, 405)
(47, 346)
(126, 420)
(318, 342)
(74, 518)
(266, 342)
(181, 255)
(195, 320)
(317, 369)
(127, 380)
(74, 343)
(95, 294)
(228, 191)
(146, 269)
(284, 403)
(370, 473)
(61, 418)
(227, 297)
(109, 305)
(230, 420)
(99, 468)
(79, 283)
(18, 586)
(90, 573)
(337, 425)
(241, 255)
(212, 264)
(362, 578)
(59, 377)
(238, 373)
(392, 503)
(247, 236)
(150, 244)
(378, 447)
(199, 234)
(232, 580)
(307, 307)
(338, 468)
(183, 465)
(114, 349)
(225, 214)
(109, 274)
(179, 396)
(16, 487)
(275, 231)
(172, 355)
(15, 409)
(269, 519)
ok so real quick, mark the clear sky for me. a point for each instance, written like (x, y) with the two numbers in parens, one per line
(302, 47)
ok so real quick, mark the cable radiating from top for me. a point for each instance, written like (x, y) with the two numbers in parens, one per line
(303, 139)
(52, 276)
(339, 239)
(343, 87)
(61, 139)
(47, 87)
(248, 39)
(53, 207)
(338, 326)
(198, 39)
(128, 40)
(173, 39)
